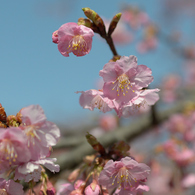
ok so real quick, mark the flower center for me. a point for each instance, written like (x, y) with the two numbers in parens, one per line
(124, 178)
(8, 151)
(31, 133)
(78, 43)
(98, 102)
(122, 84)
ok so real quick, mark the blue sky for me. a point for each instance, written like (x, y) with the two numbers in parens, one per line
(34, 72)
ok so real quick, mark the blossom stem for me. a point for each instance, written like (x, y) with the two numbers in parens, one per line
(111, 45)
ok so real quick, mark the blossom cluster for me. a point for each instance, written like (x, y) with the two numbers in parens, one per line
(124, 88)
(123, 177)
(25, 145)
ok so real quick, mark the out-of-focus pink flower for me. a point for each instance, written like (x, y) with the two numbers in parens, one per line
(108, 122)
(181, 155)
(169, 87)
(159, 175)
(178, 123)
(95, 99)
(74, 38)
(13, 146)
(123, 174)
(147, 44)
(55, 36)
(32, 170)
(135, 17)
(188, 181)
(149, 41)
(10, 187)
(40, 133)
(124, 78)
(145, 98)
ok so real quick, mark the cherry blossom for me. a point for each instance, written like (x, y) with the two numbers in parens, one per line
(74, 38)
(143, 99)
(40, 133)
(123, 174)
(32, 170)
(13, 146)
(95, 99)
(123, 78)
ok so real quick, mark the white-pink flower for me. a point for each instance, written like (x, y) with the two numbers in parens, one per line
(32, 170)
(123, 174)
(123, 78)
(10, 187)
(95, 99)
(74, 38)
(40, 133)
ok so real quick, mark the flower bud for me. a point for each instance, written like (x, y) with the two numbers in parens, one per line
(114, 23)
(92, 189)
(92, 15)
(50, 189)
(95, 144)
(73, 176)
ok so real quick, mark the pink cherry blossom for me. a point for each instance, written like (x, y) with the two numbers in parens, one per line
(124, 78)
(126, 173)
(40, 133)
(73, 38)
(10, 187)
(95, 99)
(144, 98)
(147, 44)
(32, 170)
(135, 17)
(108, 122)
(13, 146)
(181, 155)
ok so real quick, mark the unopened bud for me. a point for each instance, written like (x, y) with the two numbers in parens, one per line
(73, 176)
(95, 144)
(92, 189)
(50, 189)
(92, 15)
(87, 22)
(114, 23)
